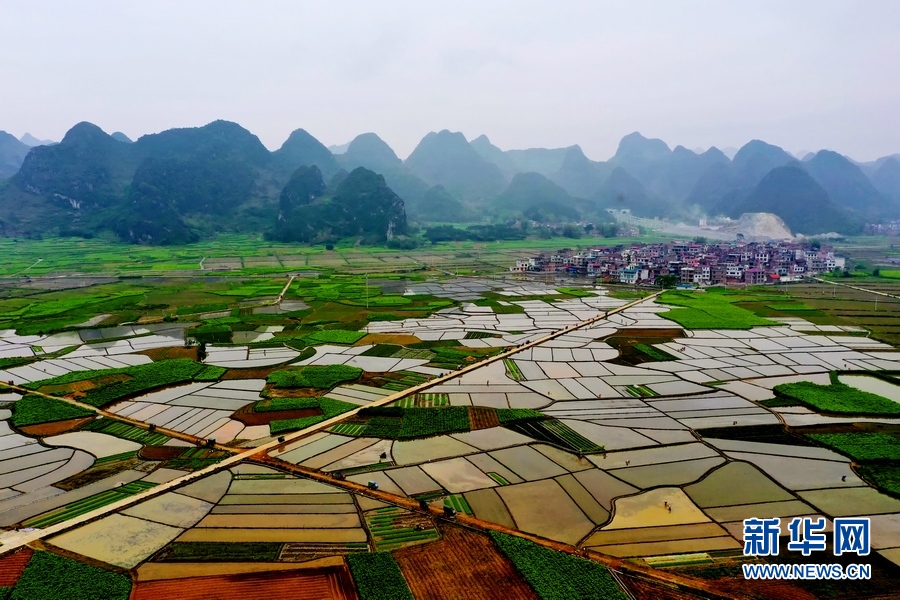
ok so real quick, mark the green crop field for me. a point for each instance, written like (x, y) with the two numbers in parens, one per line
(378, 576)
(554, 432)
(330, 408)
(49, 576)
(798, 307)
(276, 404)
(838, 398)
(458, 502)
(555, 575)
(210, 373)
(640, 391)
(501, 309)
(512, 370)
(318, 377)
(86, 505)
(425, 422)
(886, 477)
(126, 431)
(391, 528)
(114, 384)
(221, 552)
(6, 363)
(653, 352)
(382, 350)
(576, 292)
(348, 428)
(709, 311)
(335, 336)
(381, 427)
(861, 445)
(408, 420)
(33, 409)
(115, 458)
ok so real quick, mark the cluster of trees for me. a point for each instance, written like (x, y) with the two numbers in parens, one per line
(478, 233)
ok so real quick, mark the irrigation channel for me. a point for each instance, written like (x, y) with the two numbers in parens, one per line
(260, 454)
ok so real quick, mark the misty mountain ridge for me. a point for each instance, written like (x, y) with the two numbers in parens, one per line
(219, 177)
(541, 200)
(447, 158)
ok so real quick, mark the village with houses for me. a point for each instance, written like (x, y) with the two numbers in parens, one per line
(693, 263)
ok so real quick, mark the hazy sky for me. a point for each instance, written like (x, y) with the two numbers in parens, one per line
(801, 74)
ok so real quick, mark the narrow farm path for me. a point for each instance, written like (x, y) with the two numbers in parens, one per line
(287, 286)
(38, 261)
(853, 287)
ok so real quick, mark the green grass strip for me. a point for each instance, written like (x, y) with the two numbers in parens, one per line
(115, 457)
(86, 505)
(498, 478)
(458, 502)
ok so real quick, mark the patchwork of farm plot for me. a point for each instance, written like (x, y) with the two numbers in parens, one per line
(93, 343)
(201, 409)
(244, 357)
(355, 356)
(54, 367)
(249, 512)
(564, 440)
(649, 491)
(516, 321)
(61, 476)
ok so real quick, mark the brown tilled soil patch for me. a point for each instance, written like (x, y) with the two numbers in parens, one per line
(295, 392)
(12, 565)
(152, 571)
(646, 588)
(171, 353)
(398, 339)
(54, 428)
(150, 319)
(765, 590)
(649, 333)
(307, 584)
(260, 373)
(83, 386)
(483, 417)
(161, 452)
(378, 379)
(246, 415)
(464, 565)
(96, 473)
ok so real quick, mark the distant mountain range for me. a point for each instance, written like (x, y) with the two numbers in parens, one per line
(182, 184)
(30, 140)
